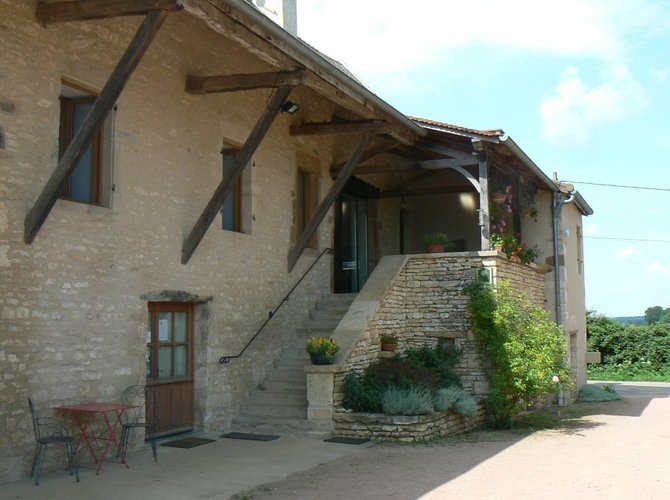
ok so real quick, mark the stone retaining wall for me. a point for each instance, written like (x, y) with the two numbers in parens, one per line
(405, 428)
(426, 301)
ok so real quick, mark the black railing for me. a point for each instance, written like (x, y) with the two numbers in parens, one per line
(226, 359)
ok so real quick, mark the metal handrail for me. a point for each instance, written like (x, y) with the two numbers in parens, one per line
(226, 359)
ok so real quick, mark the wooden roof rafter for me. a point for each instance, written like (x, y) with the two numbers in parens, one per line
(244, 81)
(340, 128)
(58, 11)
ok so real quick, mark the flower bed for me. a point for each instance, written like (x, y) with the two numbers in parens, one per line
(405, 428)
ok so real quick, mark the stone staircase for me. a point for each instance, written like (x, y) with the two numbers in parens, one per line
(279, 404)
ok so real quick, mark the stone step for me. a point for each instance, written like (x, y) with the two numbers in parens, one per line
(271, 411)
(286, 425)
(289, 373)
(325, 315)
(287, 398)
(337, 298)
(288, 385)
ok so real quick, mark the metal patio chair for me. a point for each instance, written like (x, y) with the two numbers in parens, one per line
(145, 416)
(49, 430)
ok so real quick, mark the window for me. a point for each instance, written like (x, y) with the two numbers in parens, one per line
(232, 204)
(236, 210)
(580, 250)
(90, 182)
(306, 196)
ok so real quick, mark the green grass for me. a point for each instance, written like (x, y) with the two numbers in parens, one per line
(627, 373)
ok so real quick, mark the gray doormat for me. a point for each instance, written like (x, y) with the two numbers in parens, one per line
(190, 442)
(250, 437)
(346, 440)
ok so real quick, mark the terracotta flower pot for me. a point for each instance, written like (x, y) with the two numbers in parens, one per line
(435, 248)
(389, 347)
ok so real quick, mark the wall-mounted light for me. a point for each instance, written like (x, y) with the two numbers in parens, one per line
(289, 107)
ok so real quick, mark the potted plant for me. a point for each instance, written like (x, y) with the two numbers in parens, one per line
(389, 342)
(497, 242)
(436, 242)
(321, 350)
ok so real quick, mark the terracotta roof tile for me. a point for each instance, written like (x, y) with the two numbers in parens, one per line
(456, 128)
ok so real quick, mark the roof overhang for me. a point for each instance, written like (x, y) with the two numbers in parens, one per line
(242, 22)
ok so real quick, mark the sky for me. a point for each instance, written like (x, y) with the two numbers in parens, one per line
(582, 86)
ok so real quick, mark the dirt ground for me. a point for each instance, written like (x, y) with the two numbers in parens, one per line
(612, 450)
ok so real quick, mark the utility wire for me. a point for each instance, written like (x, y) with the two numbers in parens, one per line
(624, 186)
(638, 240)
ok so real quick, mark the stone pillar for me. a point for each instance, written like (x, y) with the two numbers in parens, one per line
(320, 383)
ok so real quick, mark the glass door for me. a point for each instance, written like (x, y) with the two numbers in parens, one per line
(169, 363)
(351, 243)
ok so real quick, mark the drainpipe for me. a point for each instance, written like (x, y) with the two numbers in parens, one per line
(557, 205)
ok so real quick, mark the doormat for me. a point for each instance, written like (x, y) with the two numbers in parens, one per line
(250, 437)
(346, 440)
(191, 442)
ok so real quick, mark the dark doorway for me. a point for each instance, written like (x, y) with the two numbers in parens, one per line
(351, 243)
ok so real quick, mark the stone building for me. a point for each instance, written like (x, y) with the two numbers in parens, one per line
(170, 169)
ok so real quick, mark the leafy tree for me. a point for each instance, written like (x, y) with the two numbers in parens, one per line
(523, 348)
(652, 315)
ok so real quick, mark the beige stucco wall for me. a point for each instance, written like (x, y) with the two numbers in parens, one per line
(72, 320)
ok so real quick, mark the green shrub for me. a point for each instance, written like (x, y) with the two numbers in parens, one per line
(466, 405)
(361, 395)
(628, 352)
(446, 397)
(413, 401)
(523, 348)
(591, 393)
(428, 369)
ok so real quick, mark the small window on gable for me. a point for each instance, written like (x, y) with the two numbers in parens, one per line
(236, 211)
(306, 198)
(90, 182)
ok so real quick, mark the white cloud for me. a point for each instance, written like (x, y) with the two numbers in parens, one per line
(590, 229)
(576, 108)
(394, 37)
(626, 252)
(657, 267)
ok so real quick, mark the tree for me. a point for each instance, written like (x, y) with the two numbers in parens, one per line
(652, 315)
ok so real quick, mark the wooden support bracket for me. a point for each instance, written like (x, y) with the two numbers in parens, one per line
(241, 160)
(96, 116)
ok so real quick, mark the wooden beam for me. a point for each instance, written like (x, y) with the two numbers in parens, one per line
(343, 128)
(96, 116)
(328, 201)
(484, 217)
(426, 191)
(408, 165)
(241, 160)
(407, 183)
(376, 150)
(234, 83)
(49, 12)
(435, 147)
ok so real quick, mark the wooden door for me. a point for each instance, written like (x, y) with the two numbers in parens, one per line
(170, 364)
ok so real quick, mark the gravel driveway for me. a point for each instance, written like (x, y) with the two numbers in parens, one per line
(609, 450)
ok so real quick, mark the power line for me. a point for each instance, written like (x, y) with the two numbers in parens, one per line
(623, 186)
(637, 240)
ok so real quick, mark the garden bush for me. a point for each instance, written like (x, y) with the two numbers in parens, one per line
(413, 375)
(523, 349)
(414, 401)
(628, 352)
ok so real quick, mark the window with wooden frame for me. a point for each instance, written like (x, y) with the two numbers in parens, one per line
(232, 204)
(306, 198)
(90, 182)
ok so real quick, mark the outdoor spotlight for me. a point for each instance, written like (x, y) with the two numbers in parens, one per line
(289, 107)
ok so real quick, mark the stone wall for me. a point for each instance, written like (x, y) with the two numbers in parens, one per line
(408, 429)
(426, 302)
(72, 313)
